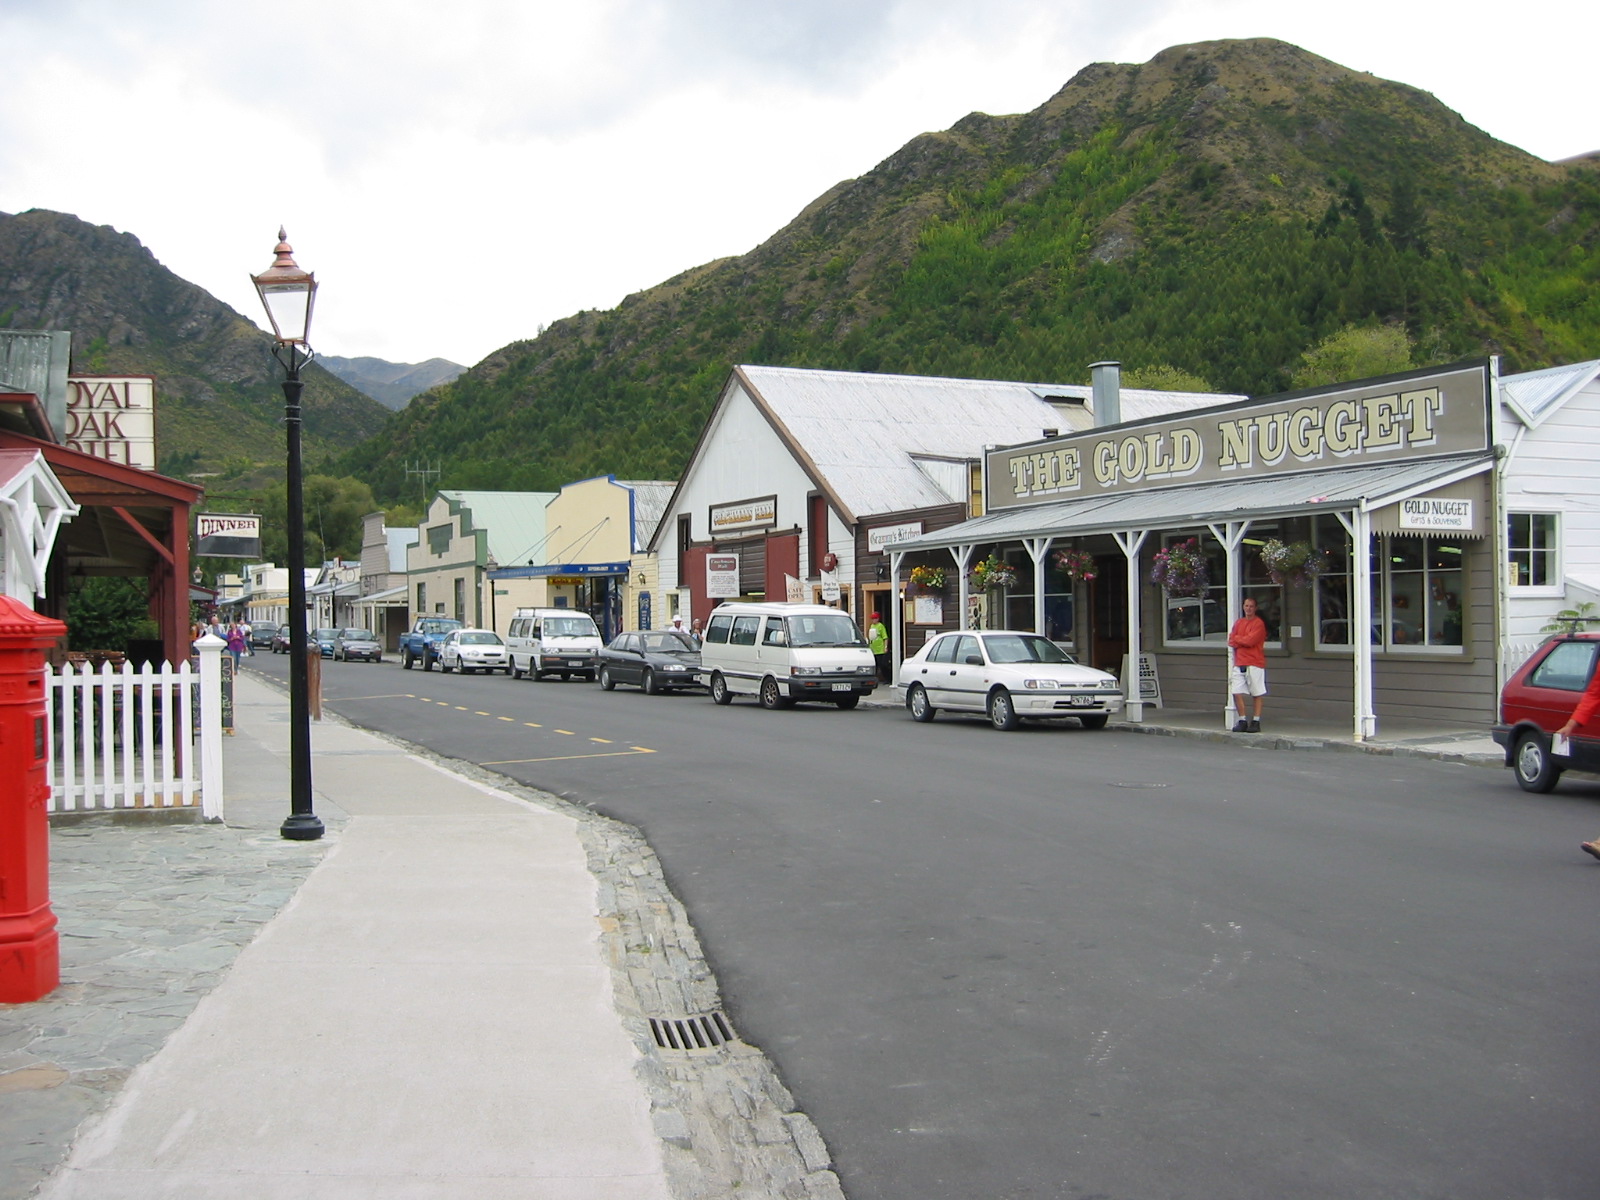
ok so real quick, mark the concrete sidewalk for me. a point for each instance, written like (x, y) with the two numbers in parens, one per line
(445, 1008)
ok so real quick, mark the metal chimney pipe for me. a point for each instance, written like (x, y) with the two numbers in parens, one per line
(1107, 380)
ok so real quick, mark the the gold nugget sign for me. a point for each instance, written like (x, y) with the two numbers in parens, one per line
(1445, 413)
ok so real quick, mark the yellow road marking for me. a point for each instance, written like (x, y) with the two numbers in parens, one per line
(511, 762)
(480, 714)
(505, 718)
(387, 696)
(568, 732)
(533, 725)
(602, 741)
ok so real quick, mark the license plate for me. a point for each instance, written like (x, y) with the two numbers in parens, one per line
(1082, 701)
(841, 687)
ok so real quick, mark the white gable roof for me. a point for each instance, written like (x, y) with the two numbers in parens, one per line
(1535, 396)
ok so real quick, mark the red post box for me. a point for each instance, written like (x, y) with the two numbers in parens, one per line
(30, 960)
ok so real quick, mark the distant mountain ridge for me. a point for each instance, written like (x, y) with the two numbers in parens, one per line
(1219, 209)
(391, 384)
(219, 399)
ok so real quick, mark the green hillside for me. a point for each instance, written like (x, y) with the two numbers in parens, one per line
(1219, 209)
(219, 401)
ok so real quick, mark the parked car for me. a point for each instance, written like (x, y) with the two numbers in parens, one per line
(280, 639)
(420, 644)
(324, 639)
(357, 645)
(261, 635)
(782, 653)
(473, 650)
(656, 661)
(553, 641)
(1537, 700)
(1008, 676)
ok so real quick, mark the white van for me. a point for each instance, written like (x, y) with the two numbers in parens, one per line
(553, 641)
(782, 653)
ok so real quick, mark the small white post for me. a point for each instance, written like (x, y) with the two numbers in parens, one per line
(210, 648)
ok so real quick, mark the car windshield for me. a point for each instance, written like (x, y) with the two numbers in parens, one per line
(579, 626)
(1023, 648)
(437, 626)
(483, 638)
(357, 635)
(667, 643)
(823, 629)
(325, 635)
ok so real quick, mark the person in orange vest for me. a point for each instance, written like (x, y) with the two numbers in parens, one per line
(1249, 674)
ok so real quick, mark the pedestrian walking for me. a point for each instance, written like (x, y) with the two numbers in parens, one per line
(244, 628)
(878, 641)
(236, 646)
(1249, 674)
(1587, 704)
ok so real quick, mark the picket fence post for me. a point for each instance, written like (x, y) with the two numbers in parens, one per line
(211, 786)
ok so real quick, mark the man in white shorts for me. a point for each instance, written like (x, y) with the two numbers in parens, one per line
(1249, 674)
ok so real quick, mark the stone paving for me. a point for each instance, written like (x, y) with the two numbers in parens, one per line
(151, 915)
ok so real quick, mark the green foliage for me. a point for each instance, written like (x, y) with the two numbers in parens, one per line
(333, 508)
(1568, 619)
(1354, 353)
(1163, 377)
(103, 612)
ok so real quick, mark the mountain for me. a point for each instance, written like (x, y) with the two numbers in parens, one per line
(391, 384)
(1219, 209)
(219, 396)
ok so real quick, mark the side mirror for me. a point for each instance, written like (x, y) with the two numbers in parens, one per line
(974, 660)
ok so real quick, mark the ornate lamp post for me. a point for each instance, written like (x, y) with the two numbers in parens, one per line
(288, 293)
(489, 568)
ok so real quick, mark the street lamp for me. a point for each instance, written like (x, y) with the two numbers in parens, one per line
(489, 568)
(288, 293)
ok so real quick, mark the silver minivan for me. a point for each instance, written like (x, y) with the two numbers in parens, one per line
(782, 653)
(553, 641)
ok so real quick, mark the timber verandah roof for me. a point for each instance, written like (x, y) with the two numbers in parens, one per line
(1258, 498)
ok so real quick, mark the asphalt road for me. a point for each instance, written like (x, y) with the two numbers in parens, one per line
(1056, 963)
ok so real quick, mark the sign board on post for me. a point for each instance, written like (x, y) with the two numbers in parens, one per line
(722, 576)
(227, 535)
(830, 586)
(1435, 512)
(114, 418)
(1149, 681)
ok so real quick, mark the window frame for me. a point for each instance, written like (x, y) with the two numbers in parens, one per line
(1556, 588)
(1217, 591)
(1381, 552)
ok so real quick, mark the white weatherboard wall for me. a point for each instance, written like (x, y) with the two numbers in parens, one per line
(1552, 468)
(743, 459)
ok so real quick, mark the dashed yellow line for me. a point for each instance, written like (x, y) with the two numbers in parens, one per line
(599, 741)
(511, 762)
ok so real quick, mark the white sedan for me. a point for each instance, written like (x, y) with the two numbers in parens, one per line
(473, 650)
(1009, 677)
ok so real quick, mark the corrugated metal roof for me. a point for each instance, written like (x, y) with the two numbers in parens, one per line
(650, 497)
(1536, 395)
(1167, 508)
(514, 521)
(861, 430)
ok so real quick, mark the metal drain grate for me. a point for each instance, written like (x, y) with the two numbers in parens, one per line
(691, 1033)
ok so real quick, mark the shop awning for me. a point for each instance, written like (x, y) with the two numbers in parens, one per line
(394, 597)
(1351, 488)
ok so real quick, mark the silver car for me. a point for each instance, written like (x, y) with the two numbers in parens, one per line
(353, 644)
(1008, 676)
(473, 650)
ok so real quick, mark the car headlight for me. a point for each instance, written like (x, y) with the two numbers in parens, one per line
(1042, 685)
(805, 670)
(674, 667)
(866, 670)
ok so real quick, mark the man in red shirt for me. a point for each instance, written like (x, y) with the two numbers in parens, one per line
(1249, 674)
(1580, 717)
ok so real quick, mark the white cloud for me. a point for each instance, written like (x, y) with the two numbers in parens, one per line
(457, 177)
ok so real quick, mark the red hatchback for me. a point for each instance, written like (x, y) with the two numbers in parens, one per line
(1538, 700)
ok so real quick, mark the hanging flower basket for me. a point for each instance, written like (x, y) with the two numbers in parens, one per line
(927, 579)
(1181, 569)
(1075, 565)
(993, 572)
(1293, 564)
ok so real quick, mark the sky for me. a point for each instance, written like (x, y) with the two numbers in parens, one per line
(459, 176)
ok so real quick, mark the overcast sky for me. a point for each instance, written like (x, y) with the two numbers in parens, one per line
(458, 175)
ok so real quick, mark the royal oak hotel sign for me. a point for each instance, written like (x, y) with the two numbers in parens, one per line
(1398, 419)
(113, 417)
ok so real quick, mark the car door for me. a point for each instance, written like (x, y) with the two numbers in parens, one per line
(628, 665)
(966, 680)
(933, 671)
(1553, 690)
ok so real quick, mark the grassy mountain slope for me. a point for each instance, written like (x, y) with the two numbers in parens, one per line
(1220, 209)
(219, 400)
(391, 384)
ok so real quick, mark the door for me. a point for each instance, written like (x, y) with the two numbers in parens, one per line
(1108, 613)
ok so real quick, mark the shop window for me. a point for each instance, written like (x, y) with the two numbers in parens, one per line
(1532, 542)
(1417, 592)
(461, 600)
(422, 597)
(1058, 612)
(1203, 620)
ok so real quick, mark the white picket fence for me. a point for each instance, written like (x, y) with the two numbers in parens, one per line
(122, 738)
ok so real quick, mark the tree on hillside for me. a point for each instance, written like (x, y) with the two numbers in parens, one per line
(333, 510)
(1354, 352)
(1163, 377)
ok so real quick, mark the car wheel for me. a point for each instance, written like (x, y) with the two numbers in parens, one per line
(508, 670)
(1094, 720)
(719, 689)
(606, 682)
(1536, 770)
(565, 675)
(406, 659)
(848, 702)
(587, 676)
(427, 661)
(917, 703)
(648, 683)
(771, 696)
(1002, 712)
(513, 670)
